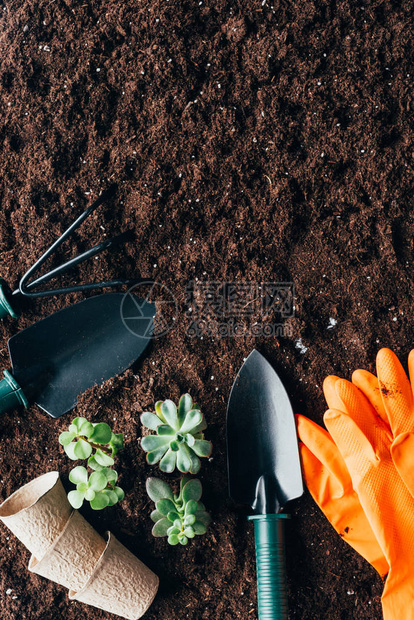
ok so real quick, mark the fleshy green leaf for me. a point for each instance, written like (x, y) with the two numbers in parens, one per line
(203, 517)
(110, 474)
(93, 463)
(173, 530)
(120, 493)
(97, 481)
(70, 451)
(189, 520)
(183, 540)
(158, 489)
(192, 490)
(82, 487)
(172, 516)
(150, 420)
(199, 528)
(184, 406)
(65, 438)
(164, 506)
(103, 459)
(90, 495)
(192, 420)
(189, 439)
(159, 412)
(155, 455)
(82, 449)
(168, 461)
(112, 496)
(156, 516)
(189, 532)
(86, 429)
(77, 423)
(202, 447)
(101, 433)
(183, 459)
(100, 501)
(165, 429)
(161, 527)
(195, 463)
(75, 499)
(190, 507)
(117, 443)
(78, 474)
(169, 411)
(173, 539)
(153, 442)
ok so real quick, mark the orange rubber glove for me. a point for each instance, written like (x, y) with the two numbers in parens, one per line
(364, 439)
(392, 396)
(330, 485)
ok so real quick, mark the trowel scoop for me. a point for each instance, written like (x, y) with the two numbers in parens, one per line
(264, 471)
(60, 357)
(32, 285)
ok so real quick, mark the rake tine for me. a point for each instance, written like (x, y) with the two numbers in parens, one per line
(73, 262)
(83, 287)
(23, 286)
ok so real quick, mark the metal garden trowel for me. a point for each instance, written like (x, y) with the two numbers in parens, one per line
(63, 355)
(264, 471)
(30, 286)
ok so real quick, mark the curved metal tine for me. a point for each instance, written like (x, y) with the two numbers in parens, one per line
(104, 196)
(86, 287)
(100, 247)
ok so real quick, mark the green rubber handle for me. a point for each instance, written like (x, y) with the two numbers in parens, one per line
(11, 394)
(270, 566)
(6, 307)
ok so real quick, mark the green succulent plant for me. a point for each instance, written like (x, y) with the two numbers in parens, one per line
(97, 443)
(180, 517)
(179, 441)
(99, 488)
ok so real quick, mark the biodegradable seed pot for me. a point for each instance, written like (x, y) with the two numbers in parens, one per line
(37, 512)
(71, 559)
(120, 584)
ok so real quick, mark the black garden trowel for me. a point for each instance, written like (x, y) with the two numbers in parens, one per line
(264, 471)
(32, 284)
(60, 357)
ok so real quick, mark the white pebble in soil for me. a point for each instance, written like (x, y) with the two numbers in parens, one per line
(299, 345)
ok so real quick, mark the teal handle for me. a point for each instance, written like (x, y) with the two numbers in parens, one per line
(270, 566)
(11, 394)
(6, 307)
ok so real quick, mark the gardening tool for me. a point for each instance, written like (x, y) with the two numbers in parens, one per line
(264, 471)
(63, 355)
(10, 302)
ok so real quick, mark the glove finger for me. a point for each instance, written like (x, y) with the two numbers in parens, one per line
(321, 459)
(402, 451)
(354, 445)
(411, 368)
(369, 386)
(357, 406)
(395, 391)
(330, 393)
(342, 509)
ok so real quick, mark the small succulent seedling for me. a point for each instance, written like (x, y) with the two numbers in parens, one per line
(99, 488)
(97, 443)
(179, 441)
(179, 517)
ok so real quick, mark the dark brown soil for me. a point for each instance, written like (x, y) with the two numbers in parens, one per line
(251, 141)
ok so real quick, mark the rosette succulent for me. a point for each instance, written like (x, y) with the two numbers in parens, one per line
(179, 441)
(180, 517)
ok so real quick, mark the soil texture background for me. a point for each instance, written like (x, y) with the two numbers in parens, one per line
(264, 141)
